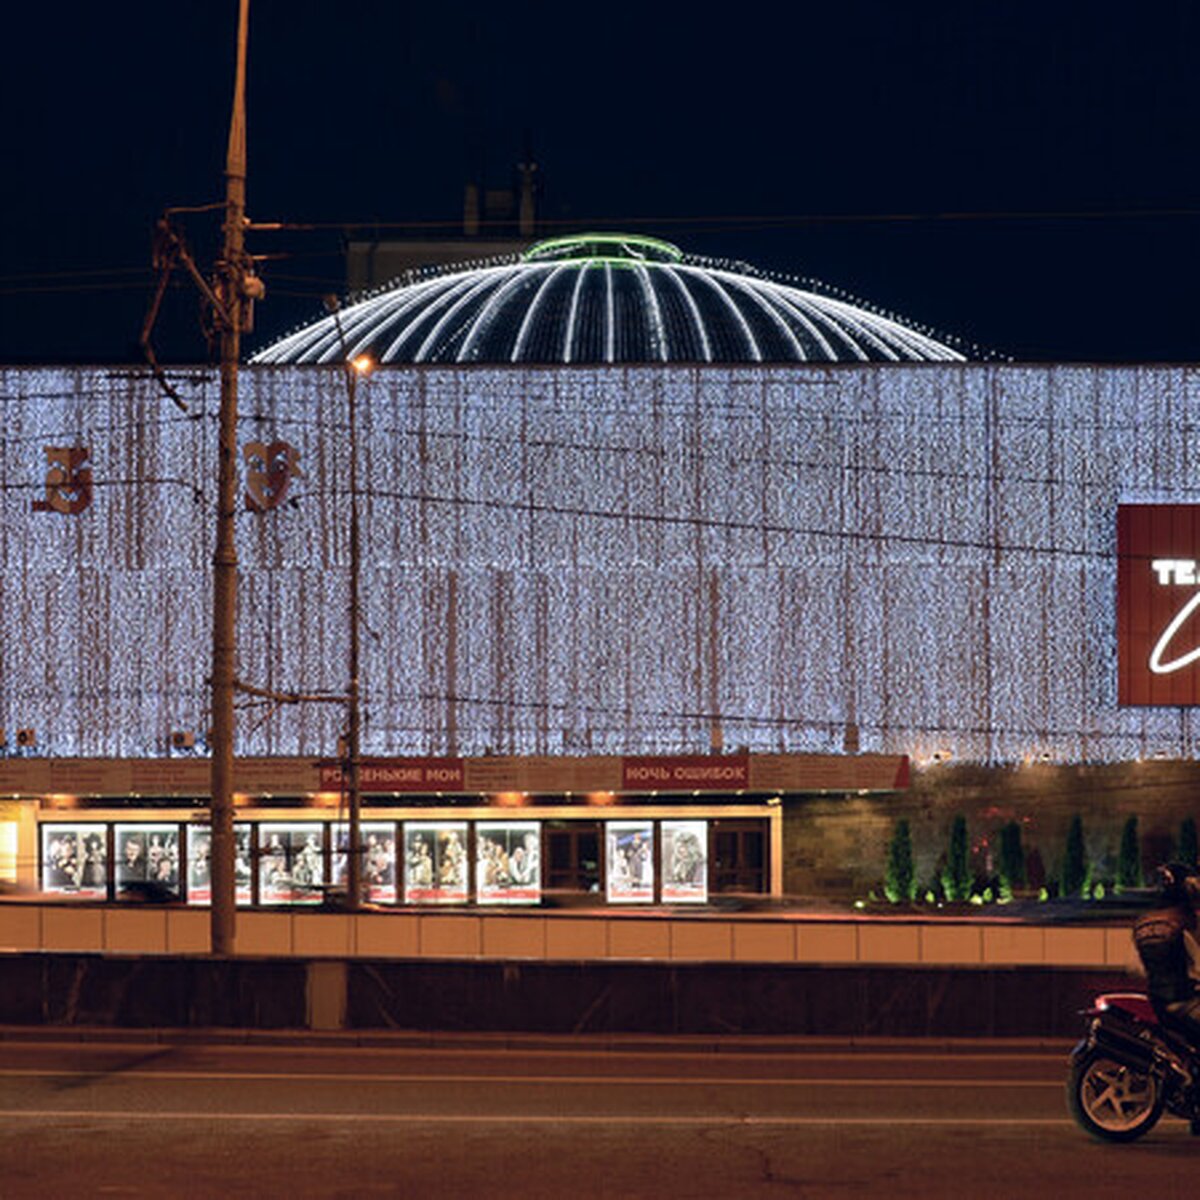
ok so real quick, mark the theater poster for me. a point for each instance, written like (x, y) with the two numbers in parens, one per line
(291, 863)
(199, 854)
(435, 862)
(75, 860)
(684, 862)
(147, 854)
(508, 862)
(629, 862)
(378, 877)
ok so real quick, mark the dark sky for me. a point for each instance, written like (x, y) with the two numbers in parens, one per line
(1023, 175)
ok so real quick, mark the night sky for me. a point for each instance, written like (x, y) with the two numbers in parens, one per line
(1021, 175)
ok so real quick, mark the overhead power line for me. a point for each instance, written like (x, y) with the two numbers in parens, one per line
(718, 221)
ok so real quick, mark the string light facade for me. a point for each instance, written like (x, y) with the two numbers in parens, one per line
(908, 559)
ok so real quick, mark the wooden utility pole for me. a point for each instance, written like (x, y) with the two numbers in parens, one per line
(233, 274)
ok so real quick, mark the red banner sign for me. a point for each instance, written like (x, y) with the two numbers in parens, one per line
(400, 775)
(1158, 595)
(686, 773)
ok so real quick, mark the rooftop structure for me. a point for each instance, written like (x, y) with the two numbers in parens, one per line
(605, 298)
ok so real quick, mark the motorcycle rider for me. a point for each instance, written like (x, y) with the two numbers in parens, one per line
(1167, 944)
(1166, 941)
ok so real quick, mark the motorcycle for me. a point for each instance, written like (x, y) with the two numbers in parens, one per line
(1128, 1069)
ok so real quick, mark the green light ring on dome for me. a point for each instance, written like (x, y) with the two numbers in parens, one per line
(601, 260)
(551, 248)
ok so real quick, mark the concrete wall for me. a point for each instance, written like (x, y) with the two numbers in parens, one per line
(366, 996)
(569, 936)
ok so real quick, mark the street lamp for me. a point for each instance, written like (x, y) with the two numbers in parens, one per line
(355, 369)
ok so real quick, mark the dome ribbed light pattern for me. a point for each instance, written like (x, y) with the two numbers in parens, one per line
(605, 298)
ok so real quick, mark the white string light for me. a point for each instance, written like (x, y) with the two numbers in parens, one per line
(497, 311)
(606, 559)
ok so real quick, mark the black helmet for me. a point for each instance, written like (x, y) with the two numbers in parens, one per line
(1179, 882)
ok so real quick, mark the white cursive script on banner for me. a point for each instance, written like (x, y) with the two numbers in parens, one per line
(1181, 572)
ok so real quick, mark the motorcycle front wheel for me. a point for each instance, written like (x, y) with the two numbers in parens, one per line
(1111, 1100)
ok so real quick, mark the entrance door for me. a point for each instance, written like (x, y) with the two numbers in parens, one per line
(573, 856)
(739, 856)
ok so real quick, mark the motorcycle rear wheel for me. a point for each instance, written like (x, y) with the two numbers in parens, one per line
(1111, 1100)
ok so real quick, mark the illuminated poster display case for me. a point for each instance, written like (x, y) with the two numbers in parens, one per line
(291, 867)
(378, 859)
(147, 854)
(685, 862)
(508, 862)
(199, 852)
(75, 860)
(435, 862)
(629, 862)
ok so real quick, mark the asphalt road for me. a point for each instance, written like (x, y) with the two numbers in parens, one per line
(545, 1120)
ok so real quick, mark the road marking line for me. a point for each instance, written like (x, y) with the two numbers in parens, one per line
(117, 1074)
(530, 1119)
(861, 1054)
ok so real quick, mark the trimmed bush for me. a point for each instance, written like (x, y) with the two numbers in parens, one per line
(1074, 873)
(956, 875)
(1012, 860)
(1129, 864)
(1188, 846)
(900, 882)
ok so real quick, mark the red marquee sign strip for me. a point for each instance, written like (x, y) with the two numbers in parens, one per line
(400, 775)
(686, 773)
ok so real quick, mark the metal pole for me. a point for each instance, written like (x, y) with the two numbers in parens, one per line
(230, 275)
(354, 865)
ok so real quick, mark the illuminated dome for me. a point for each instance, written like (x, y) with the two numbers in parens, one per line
(605, 298)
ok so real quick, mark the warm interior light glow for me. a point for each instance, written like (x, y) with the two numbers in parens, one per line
(8, 851)
(363, 364)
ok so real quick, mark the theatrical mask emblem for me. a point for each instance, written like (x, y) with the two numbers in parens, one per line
(270, 470)
(68, 480)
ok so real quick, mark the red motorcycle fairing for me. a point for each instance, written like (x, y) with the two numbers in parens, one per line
(1135, 1004)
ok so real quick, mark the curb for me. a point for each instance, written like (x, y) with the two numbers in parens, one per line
(541, 1043)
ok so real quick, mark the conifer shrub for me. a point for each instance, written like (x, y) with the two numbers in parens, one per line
(1012, 860)
(1188, 846)
(900, 881)
(1074, 873)
(956, 875)
(1129, 861)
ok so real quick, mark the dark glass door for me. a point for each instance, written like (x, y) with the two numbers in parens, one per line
(739, 856)
(573, 856)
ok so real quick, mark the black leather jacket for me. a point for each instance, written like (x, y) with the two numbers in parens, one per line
(1161, 944)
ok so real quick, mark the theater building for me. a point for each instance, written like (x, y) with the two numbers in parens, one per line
(677, 580)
